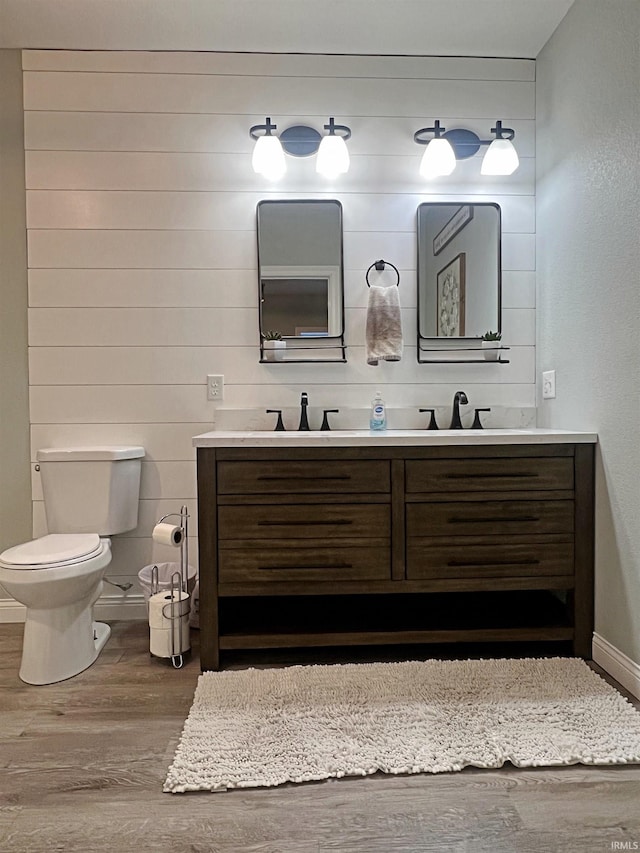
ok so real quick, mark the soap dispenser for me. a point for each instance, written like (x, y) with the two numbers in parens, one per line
(378, 419)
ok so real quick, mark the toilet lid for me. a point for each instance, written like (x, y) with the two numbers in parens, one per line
(54, 549)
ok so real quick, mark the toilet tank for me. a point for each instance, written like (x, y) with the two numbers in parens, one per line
(91, 489)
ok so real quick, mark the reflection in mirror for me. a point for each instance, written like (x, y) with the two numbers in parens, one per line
(459, 274)
(301, 280)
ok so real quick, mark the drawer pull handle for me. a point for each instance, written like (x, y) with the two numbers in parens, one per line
(322, 566)
(458, 564)
(500, 518)
(341, 521)
(488, 475)
(288, 477)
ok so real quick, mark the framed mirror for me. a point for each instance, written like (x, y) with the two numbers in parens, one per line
(459, 278)
(301, 281)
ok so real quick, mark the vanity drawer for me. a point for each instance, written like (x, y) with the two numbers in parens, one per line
(498, 560)
(484, 518)
(304, 521)
(281, 564)
(489, 475)
(303, 477)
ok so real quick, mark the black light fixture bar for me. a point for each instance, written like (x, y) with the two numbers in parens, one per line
(437, 130)
(267, 127)
(332, 127)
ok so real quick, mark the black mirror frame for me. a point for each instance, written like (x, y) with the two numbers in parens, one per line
(428, 351)
(339, 344)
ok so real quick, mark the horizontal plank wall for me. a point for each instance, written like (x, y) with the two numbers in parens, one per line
(141, 207)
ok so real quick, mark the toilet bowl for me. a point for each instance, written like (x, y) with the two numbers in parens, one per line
(58, 578)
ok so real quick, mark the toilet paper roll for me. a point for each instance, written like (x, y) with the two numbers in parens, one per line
(167, 534)
(160, 639)
(160, 606)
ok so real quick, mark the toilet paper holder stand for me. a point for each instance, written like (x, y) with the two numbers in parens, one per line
(179, 583)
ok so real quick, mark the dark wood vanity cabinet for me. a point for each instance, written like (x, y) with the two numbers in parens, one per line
(342, 546)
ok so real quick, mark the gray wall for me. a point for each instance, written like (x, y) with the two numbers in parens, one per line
(15, 482)
(588, 262)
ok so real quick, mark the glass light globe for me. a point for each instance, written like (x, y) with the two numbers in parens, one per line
(268, 158)
(501, 158)
(333, 156)
(438, 159)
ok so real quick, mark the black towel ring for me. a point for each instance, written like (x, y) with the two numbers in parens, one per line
(380, 265)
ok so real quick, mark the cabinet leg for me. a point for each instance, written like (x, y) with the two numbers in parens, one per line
(582, 628)
(210, 656)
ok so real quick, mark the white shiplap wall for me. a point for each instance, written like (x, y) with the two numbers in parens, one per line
(142, 248)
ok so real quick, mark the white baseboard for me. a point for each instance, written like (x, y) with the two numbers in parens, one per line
(618, 665)
(109, 607)
(113, 607)
(11, 611)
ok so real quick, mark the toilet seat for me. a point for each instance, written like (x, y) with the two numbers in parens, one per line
(53, 550)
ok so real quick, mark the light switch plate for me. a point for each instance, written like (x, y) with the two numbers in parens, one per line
(215, 388)
(548, 385)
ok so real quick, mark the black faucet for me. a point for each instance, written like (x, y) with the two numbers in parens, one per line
(458, 397)
(304, 422)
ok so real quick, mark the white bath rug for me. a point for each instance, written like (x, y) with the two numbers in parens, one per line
(266, 727)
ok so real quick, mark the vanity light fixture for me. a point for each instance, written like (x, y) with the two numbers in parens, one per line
(300, 141)
(333, 155)
(268, 156)
(448, 146)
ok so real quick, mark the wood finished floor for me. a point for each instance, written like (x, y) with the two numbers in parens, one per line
(82, 765)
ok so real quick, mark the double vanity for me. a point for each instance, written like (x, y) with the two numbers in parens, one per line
(352, 538)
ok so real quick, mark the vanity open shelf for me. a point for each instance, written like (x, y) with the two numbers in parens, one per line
(311, 621)
(337, 546)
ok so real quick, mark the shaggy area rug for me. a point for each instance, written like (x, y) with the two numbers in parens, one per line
(266, 727)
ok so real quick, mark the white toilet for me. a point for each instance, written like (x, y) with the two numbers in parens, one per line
(89, 494)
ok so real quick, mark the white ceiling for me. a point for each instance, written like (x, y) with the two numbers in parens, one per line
(513, 28)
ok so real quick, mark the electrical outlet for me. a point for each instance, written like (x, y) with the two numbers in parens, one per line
(215, 388)
(548, 384)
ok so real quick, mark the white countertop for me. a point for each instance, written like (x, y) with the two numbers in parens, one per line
(391, 438)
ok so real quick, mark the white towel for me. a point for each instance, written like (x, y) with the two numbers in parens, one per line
(384, 325)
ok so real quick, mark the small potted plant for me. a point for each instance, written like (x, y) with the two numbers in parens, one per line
(273, 346)
(491, 345)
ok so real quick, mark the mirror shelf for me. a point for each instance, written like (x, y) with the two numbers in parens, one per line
(461, 354)
(285, 355)
(437, 359)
